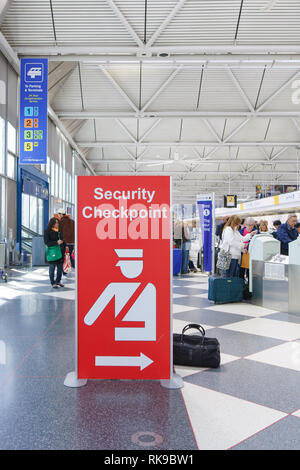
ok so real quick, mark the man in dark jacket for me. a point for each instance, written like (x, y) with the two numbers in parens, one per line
(287, 233)
(220, 227)
(66, 228)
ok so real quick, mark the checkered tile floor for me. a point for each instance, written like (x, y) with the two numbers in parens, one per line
(251, 402)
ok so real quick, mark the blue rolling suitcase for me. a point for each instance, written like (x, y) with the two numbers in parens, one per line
(225, 289)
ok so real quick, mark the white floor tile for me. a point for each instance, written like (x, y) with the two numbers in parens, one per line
(221, 421)
(182, 308)
(35, 277)
(177, 296)
(241, 308)
(285, 355)
(185, 371)
(9, 294)
(62, 294)
(196, 286)
(26, 286)
(201, 296)
(198, 279)
(266, 327)
(297, 413)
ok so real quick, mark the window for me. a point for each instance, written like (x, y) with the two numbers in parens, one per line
(2, 208)
(25, 210)
(11, 166)
(11, 139)
(33, 213)
(2, 146)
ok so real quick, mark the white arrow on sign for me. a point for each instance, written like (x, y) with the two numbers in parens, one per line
(140, 361)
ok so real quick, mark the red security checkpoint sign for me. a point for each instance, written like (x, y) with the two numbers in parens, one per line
(123, 283)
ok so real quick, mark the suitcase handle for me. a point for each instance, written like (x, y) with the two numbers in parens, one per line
(194, 326)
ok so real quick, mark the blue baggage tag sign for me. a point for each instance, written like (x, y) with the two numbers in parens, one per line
(33, 111)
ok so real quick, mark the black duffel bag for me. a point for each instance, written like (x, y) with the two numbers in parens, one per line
(195, 350)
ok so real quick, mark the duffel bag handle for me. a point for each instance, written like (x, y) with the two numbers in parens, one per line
(194, 326)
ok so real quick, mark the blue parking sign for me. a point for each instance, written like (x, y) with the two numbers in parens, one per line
(33, 111)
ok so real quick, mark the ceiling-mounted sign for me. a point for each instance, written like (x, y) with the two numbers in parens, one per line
(124, 283)
(230, 201)
(33, 111)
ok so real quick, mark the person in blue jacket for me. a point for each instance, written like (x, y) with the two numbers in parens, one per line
(287, 233)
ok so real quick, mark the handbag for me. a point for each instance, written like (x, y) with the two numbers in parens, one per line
(224, 260)
(195, 350)
(67, 262)
(245, 261)
(53, 253)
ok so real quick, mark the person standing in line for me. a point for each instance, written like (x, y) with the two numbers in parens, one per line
(67, 231)
(287, 233)
(247, 228)
(276, 224)
(52, 238)
(233, 242)
(263, 226)
(221, 226)
(186, 245)
(297, 226)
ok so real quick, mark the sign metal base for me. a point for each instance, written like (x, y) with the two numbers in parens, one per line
(175, 382)
(71, 380)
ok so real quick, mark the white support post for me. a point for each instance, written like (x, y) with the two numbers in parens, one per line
(125, 23)
(119, 161)
(240, 89)
(237, 129)
(150, 130)
(162, 87)
(279, 90)
(165, 23)
(126, 130)
(119, 89)
(212, 129)
(278, 153)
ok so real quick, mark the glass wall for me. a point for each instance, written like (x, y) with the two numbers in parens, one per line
(8, 147)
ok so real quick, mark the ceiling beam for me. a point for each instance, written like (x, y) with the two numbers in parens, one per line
(279, 90)
(118, 88)
(168, 114)
(161, 88)
(240, 89)
(190, 144)
(210, 162)
(255, 49)
(125, 23)
(165, 23)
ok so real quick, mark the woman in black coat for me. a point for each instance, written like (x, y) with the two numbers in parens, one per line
(52, 238)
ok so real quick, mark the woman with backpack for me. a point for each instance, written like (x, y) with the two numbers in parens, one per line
(55, 251)
(233, 242)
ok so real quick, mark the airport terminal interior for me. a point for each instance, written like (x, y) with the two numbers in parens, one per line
(206, 92)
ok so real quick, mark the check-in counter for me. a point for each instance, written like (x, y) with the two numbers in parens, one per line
(274, 279)
(261, 249)
(294, 277)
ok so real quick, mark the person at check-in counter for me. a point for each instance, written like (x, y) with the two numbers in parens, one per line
(297, 226)
(287, 233)
(233, 242)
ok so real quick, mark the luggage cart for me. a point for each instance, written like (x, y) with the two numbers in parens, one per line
(3, 273)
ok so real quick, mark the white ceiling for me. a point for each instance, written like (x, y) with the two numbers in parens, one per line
(220, 110)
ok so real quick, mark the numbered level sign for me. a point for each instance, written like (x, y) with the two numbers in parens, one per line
(33, 111)
(123, 283)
